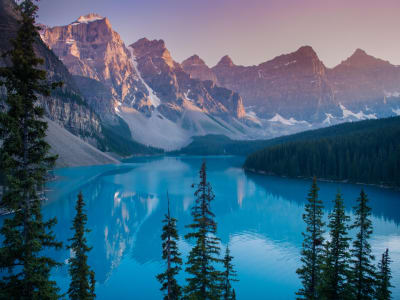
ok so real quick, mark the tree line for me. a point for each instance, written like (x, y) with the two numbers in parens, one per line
(331, 269)
(370, 154)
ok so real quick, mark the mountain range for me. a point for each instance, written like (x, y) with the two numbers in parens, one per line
(138, 98)
(298, 85)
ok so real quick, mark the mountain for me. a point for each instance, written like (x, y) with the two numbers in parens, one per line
(129, 99)
(366, 83)
(367, 151)
(361, 87)
(162, 105)
(67, 111)
(90, 48)
(198, 69)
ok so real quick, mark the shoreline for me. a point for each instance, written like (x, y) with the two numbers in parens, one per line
(260, 172)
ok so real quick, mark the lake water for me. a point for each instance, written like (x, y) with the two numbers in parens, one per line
(259, 217)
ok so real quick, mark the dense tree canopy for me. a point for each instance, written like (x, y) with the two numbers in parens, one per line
(369, 155)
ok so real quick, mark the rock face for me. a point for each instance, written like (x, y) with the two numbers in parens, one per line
(66, 106)
(299, 86)
(198, 69)
(364, 80)
(142, 78)
(90, 48)
(173, 86)
(165, 103)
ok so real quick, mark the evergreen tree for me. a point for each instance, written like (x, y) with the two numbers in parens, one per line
(228, 275)
(336, 268)
(171, 255)
(82, 277)
(383, 278)
(312, 251)
(25, 162)
(363, 271)
(205, 279)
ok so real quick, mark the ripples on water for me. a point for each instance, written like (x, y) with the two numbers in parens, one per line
(260, 217)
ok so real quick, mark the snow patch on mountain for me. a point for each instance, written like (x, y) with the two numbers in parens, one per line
(87, 19)
(360, 115)
(290, 62)
(328, 119)
(290, 122)
(392, 94)
(252, 116)
(153, 97)
(396, 111)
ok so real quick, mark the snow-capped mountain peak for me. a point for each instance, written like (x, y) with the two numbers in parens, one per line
(92, 17)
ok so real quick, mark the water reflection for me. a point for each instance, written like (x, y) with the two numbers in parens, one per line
(260, 217)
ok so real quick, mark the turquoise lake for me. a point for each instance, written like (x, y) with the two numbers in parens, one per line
(259, 217)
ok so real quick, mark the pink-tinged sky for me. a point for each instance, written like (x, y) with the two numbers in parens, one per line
(249, 31)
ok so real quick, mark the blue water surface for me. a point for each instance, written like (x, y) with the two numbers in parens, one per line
(258, 216)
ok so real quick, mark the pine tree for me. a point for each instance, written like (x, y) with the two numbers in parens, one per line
(25, 162)
(312, 251)
(204, 282)
(228, 275)
(363, 271)
(383, 277)
(336, 267)
(171, 254)
(82, 277)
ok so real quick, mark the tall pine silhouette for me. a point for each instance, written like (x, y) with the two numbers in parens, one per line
(171, 255)
(312, 251)
(82, 277)
(25, 162)
(363, 270)
(383, 277)
(204, 280)
(228, 276)
(336, 267)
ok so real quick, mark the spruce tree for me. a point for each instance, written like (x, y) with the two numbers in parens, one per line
(383, 277)
(336, 267)
(25, 162)
(205, 279)
(312, 251)
(82, 277)
(228, 275)
(363, 270)
(171, 255)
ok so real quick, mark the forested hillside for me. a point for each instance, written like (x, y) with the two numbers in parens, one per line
(366, 151)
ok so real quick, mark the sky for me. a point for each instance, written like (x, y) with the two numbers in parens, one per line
(249, 31)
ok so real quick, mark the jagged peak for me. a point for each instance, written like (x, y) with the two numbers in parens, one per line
(226, 61)
(149, 44)
(155, 48)
(91, 17)
(193, 60)
(307, 51)
(360, 58)
(360, 52)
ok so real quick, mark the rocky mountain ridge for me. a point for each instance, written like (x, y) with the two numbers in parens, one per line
(65, 106)
(143, 81)
(141, 91)
(366, 85)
